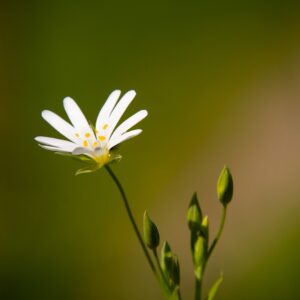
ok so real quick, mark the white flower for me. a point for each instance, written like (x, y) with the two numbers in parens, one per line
(86, 142)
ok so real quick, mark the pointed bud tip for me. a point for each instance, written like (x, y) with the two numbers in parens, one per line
(194, 215)
(166, 247)
(194, 199)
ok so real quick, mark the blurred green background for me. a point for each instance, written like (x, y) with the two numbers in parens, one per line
(221, 82)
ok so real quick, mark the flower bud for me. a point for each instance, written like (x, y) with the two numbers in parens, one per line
(170, 266)
(194, 215)
(151, 234)
(166, 257)
(225, 186)
(200, 252)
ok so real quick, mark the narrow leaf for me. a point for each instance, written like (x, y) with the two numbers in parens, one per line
(215, 287)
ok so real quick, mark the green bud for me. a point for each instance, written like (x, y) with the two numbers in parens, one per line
(194, 215)
(170, 266)
(151, 234)
(166, 258)
(225, 186)
(200, 252)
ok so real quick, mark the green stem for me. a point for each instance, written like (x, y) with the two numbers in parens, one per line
(178, 294)
(198, 288)
(130, 215)
(213, 245)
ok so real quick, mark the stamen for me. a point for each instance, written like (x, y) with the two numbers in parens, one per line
(105, 126)
(85, 143)
(95, 144)
(87, 135)
(77, 135)
(101, 138)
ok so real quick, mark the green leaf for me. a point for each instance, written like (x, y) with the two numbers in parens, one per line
(215, 287)
(151, 233)
(225, 186)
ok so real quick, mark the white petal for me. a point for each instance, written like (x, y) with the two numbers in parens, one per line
(119, 111)
(75, 114)
(57, 143)
(81, 151)
(124, 137)
(107, 108)
(60, 125)
(130, 122)
(51, 148)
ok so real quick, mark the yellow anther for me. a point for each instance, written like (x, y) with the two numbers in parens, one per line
(85, 143)
(95, 144)
(101, 137)
(77, 135)
(87, 135)
(105, 126)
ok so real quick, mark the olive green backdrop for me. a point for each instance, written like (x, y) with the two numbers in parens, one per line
(221, 82)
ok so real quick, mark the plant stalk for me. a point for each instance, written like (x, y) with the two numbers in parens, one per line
(213, 245)
(198, 288)
(131, 218)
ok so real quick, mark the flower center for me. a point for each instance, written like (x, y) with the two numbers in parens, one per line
(102, 157)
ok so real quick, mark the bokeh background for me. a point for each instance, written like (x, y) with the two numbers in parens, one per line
(221, 82)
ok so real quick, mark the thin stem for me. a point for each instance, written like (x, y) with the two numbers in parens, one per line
(213, 245)
(130, 215)
(162, 275)
(198, 288)
(178, 294)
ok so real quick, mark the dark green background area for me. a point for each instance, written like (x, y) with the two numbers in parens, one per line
(220, 80)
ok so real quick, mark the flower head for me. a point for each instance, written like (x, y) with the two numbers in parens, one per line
(94, 145)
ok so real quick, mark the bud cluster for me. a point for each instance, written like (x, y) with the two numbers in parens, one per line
(198, 226)
(168, 264)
